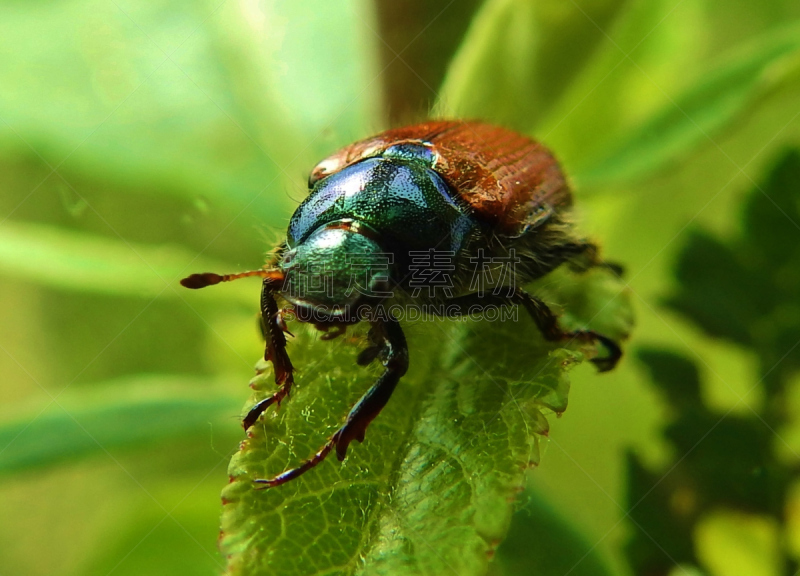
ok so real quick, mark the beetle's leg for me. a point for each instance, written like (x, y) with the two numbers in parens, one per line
(395, 359)
(275, 352)
(580, 256)
(545, 320)
(282, 314)
(272, 329)
(394, 356)
(588, 256)
(368, 354)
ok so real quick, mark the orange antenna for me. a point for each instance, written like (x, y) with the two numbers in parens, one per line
(196, 281)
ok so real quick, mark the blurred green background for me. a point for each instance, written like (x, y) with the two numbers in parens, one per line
(141, 141)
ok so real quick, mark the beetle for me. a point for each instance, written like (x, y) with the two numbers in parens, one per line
(467, 187)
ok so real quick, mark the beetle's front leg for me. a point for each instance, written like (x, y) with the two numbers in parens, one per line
(395, 360)
(275, 351)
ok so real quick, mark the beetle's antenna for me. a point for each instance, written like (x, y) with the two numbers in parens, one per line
(196, 281)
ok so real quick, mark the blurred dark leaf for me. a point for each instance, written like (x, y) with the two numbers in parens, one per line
(747, 289)
(675, 376)
(662, 510)
(543, 543)
(127, 413)
(718, 292)
(730, 460)
(721, 462)
(771, 221)
(743, 289)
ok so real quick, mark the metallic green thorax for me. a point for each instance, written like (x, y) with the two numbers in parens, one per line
(397, 195)
(360, 227)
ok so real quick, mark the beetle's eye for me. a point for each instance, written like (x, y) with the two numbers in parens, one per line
(288, 258)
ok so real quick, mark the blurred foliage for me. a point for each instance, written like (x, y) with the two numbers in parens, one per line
(143, 141)
(541, 542)
(413, 69)
(728, 473)
(753, 297)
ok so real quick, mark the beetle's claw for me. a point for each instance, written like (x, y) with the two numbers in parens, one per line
(614, 354)
(261, 406)
(617, 269)
(295, 472)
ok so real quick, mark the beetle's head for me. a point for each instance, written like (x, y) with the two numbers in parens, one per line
(337, 269)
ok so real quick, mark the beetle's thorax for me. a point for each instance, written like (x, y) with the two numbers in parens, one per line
(397, 195)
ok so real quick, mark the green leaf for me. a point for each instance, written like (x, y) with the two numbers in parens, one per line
(127, 412)
(505, 70)
(432, 489)
(717, 99)
(87, 263)
(542, 542)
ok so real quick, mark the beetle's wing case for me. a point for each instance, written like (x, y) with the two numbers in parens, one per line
(510, 181)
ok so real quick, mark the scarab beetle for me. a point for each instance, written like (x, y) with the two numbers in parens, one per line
(465, 188)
